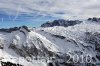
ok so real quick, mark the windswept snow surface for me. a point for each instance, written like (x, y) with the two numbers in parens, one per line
(73, 33)
(42, 39)
(75, 38)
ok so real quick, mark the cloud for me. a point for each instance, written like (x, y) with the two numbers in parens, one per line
(55, 8)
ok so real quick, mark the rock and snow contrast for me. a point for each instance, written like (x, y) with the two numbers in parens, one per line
(60, 43)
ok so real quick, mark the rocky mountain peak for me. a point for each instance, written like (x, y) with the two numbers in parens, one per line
(61, 22)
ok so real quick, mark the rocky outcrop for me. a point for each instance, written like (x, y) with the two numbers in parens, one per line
(61, 22)
(58, 36)
(26, 51)
(9, 30)
(94, 19)
(93, 38)
(9, 64)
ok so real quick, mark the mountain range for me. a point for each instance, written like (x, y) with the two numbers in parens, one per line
(57, 43)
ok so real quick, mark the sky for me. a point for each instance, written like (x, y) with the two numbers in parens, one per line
(35, 12)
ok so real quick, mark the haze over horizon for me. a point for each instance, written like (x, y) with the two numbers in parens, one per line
(35, 12)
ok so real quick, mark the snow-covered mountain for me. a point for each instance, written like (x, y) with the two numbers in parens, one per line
(61, 22)
(51, 46)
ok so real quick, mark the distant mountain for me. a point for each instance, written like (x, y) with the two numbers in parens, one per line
(94, 19)
(61, 22)
(9, 30)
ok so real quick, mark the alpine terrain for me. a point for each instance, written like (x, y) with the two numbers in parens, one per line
(57, 43)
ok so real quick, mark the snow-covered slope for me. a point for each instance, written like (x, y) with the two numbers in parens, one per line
(38, 46)
(22, 44)
(81, 39)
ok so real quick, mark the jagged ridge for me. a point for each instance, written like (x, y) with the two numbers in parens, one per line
(61, 22)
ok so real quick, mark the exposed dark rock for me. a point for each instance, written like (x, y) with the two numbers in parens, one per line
(94, 19)
(25, 27)
(58, 36)
(68, 64)
(1, 46)
(9, 30)
(61, 22)
(50, 64)
(26, 51)
(98, 56)
(89, 18)
(94, 59)
(93, 38)
(90, 64)
(9, 64)
(57, 63)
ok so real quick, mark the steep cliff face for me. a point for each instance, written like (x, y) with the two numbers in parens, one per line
(51, 45)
